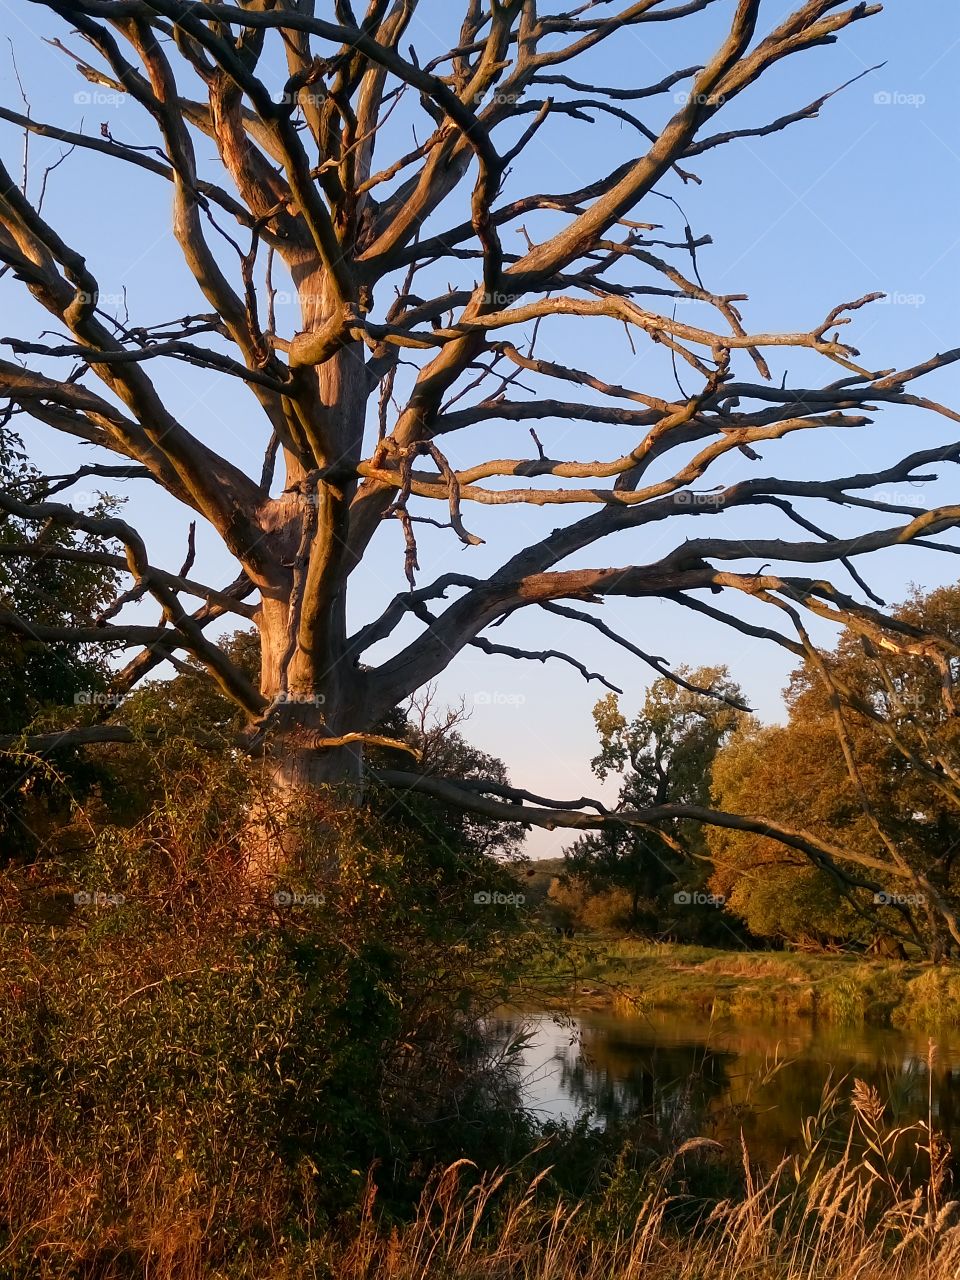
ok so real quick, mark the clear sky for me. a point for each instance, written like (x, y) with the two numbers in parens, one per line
(862, 199)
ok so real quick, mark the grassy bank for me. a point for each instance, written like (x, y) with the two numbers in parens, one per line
(633, 976)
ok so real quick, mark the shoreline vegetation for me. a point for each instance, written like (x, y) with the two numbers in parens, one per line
(195, 1090)
(634, 977)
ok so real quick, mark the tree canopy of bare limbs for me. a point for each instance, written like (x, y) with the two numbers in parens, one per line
(422, 291)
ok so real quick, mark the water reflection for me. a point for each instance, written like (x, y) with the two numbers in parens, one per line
(688, 1076)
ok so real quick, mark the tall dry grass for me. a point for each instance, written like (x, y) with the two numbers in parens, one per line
(815, 1217)
(874, 1204)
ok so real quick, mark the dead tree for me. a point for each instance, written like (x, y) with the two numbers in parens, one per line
(388, 370)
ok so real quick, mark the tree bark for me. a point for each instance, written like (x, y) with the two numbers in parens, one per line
(304, 786)
(314, 694)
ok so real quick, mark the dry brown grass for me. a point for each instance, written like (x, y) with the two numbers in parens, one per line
(849, 1221)
(821, 1215)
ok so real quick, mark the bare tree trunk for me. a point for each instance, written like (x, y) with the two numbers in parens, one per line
(304, 787)
(304, 791)
(312, 688)
(314, 695)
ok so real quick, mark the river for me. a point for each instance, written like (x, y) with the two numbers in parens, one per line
(689, 1076)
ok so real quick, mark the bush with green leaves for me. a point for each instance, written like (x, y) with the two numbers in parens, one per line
(39, 678)
(184, 1045)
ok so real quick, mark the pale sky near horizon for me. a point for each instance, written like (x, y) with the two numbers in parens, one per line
(862, 199)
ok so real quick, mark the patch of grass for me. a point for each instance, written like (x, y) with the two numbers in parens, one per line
(631, 974)
(931, 998)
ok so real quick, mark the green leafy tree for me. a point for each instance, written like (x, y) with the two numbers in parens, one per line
(52, 580)
(189, 701)
(868, 761)
(444, 752)
(664, 756)
(796, 774)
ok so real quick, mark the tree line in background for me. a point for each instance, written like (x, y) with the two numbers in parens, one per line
(866, 760)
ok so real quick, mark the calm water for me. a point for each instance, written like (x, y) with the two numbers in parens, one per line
(693, 1077)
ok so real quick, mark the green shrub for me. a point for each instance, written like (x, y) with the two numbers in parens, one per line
(193, 1063)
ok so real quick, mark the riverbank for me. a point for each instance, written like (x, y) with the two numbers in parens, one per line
(629, 975)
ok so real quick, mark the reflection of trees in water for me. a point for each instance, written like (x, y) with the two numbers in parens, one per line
(771, 1125)
(762, 1082)
(623, 1080)
(946, 1087)
(495, 1062)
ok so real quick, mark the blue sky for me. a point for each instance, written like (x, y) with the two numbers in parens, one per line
(862, 199)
